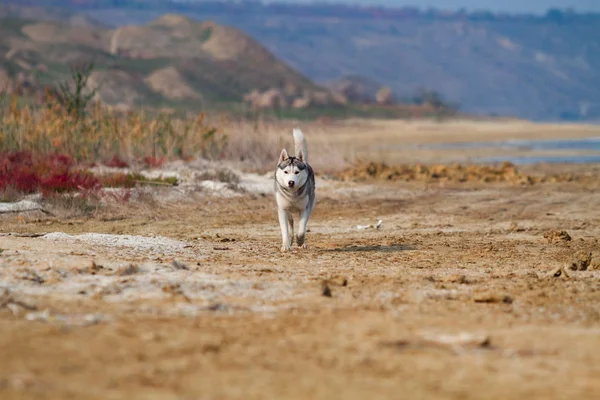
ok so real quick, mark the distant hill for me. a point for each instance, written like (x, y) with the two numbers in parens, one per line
(537, 67)
(170, 61)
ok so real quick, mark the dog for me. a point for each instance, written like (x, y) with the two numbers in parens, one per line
(294, 192)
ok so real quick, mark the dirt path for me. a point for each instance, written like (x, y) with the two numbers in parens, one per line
(452, 297)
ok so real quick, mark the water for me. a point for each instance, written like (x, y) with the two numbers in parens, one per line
(589, 145)
(592, 144)
(543, 160)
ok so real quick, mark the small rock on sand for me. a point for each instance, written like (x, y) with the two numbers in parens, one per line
(21, 206)
(493, 298)
(131, 269)
(557, 236)
(457, 278)
(581, 261)
(178, 265)
(559, 272)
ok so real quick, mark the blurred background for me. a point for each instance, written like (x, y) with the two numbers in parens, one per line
(536, 60)
(511, 81)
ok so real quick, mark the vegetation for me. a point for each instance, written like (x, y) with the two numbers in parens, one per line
(27, 172)
(69, 123)
(74, 97)
(47, 145)
(47, 148)
(104, 133)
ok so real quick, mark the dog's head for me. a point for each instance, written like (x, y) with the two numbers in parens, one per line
(291, 172)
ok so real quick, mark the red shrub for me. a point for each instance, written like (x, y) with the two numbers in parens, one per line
(46, 173)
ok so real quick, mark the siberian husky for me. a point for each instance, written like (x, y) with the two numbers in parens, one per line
(294, 191)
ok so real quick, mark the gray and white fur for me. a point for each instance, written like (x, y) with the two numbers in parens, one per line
(294, 192)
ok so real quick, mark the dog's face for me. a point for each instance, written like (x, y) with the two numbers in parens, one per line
(291, 172)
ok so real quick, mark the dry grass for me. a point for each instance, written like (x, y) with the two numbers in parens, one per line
(103, 134)
(107, 136)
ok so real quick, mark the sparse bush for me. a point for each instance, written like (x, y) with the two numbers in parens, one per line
(75, 95)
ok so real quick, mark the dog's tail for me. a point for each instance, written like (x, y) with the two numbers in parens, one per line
(300, 145)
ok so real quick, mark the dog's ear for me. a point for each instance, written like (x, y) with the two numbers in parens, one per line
(283, 156)
(301, 156)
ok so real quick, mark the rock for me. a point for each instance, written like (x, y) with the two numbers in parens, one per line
(131, 269)
(179, 265)
(493, 298)
(514, 227)
(557, 236)
(21, 206)
(559, 272)
(337, 280)
(175, 290)
(455, 343)
(581, 261)
(92, 269)
(458, 278)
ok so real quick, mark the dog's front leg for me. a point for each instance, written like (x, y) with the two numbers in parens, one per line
(283, 224)
(291, 228)
(301, 237)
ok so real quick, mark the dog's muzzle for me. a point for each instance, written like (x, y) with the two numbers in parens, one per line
(291, 184)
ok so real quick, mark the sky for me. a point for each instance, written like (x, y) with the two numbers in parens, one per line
(513, 6)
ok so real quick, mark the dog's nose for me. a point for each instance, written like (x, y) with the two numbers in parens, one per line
(291, 183)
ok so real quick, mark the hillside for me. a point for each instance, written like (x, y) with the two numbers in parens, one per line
(537, 67)
(170, 61)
